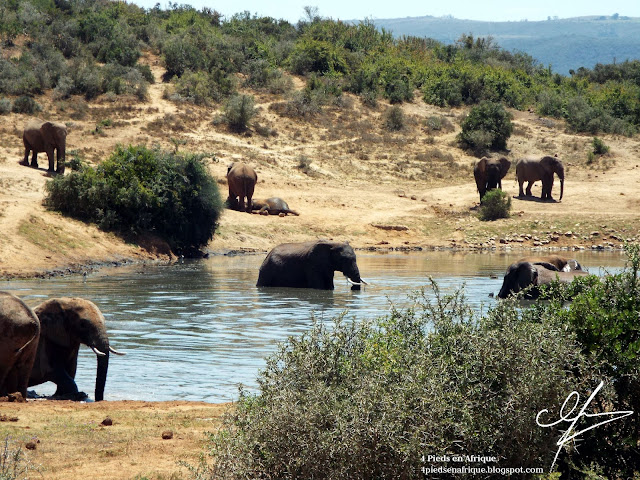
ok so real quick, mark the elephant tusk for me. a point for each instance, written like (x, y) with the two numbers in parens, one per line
(362, 282)
(98, 352)
(113, 350)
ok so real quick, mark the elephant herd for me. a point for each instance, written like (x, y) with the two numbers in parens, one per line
(41, 345)
(242, 179)
(489, 172)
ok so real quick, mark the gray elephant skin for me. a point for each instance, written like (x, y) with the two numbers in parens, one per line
(533, 169)
(308, 265)
(49, 137)
(19, 336)
(242, 180)
(489, 173)
(521, 275)
(65, 324)
(272, 206)
(554, 262)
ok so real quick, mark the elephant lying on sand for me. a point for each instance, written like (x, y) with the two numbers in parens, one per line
(562, 264)
(65, 324)
(521, 275)
(489, 173)
(19, 335)
(40, 136)
(308, 265)
(534, 169)
(242, 181)
(272, 206)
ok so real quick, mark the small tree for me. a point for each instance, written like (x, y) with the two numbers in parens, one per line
(394, 119)
(238, 112)
(495, 204)
(487, 127)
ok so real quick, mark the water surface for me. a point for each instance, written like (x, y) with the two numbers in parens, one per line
(195, 330)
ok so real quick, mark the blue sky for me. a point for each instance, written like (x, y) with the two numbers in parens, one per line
(498, 10)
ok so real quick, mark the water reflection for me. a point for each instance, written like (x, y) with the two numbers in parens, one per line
(196, 330)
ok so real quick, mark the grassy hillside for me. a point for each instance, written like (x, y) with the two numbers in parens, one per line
(564, 44)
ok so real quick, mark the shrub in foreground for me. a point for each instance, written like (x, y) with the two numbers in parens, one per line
(369, 399)
(495, 204)
(138, 190)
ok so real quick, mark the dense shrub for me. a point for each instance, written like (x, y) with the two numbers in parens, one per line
(495, 204)
(599, 147)
(368, 399)
(25, 104)
(138, 190)
(487, 127)
(393, 119)
(202, 88)
(238, 112)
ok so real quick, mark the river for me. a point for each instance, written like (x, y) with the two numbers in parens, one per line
(194, 330)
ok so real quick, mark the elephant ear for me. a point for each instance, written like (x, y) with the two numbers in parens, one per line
(504, 166)
(480, 172)
(548, 266)
(229, 167)
(48, 128)
(52, 322)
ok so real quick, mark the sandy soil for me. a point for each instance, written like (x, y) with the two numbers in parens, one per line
(408, 190)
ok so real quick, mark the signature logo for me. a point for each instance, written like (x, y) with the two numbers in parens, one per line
(565, 416)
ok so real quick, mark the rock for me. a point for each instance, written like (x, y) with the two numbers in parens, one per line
(16, 397)
(107, 422)
(398, 228)
(595, 234)
(31, 445)
(167, 435)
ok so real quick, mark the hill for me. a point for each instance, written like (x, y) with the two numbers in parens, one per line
(564, 44)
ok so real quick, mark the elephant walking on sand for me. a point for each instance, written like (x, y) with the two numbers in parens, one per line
(242, 180)
(308, 265)
(521, 275)
(533, 169)
(49, 137)
(19, 336)
(65, 324)
(489, 173)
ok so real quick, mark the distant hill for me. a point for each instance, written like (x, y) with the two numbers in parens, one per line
(564, 44)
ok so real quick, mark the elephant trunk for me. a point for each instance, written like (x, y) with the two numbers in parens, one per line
(561, 187)
(101, 376)
(560, 173)
(353, 273)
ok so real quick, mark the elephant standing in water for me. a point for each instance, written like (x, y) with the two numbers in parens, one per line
(521, 275)
(533, 169)
(489, 173)
(65, 324)
(242, 180)
(308, 265)
(19, 336)
(554, 262)
(40, 136)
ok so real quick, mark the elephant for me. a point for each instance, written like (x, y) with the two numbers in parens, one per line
(489, 173)
(521, 275)
(65, 324)
(308, 265)
(40, 136)
(242, 180)
(19, 336)
(272, 206)
(554, 262)
(534, 169)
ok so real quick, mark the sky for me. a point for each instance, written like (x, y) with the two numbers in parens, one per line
(488, 10)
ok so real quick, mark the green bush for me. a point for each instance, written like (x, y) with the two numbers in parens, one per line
(495, 204)
(487, 127)
(5, 106)
(138, 190)
(238, 112)
(369, 399)
(393, 119)
(25, 104)
(599, 147)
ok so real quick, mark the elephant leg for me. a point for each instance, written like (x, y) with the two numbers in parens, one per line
(25, 160)
(248, 210)
(529, 185)
(60, 162)
(66, 385)
(34, 159)
(52, 159)
(521, 190)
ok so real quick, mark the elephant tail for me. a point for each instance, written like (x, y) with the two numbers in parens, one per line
(35, 337)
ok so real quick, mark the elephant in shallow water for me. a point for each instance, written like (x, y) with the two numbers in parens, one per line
(242, 180)
(521, 275)
(562, 264)
(533, 169)
(65, 324)
(272, 206)
(49, 137)
(308, 265)
(19, 336)
(489, 173)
